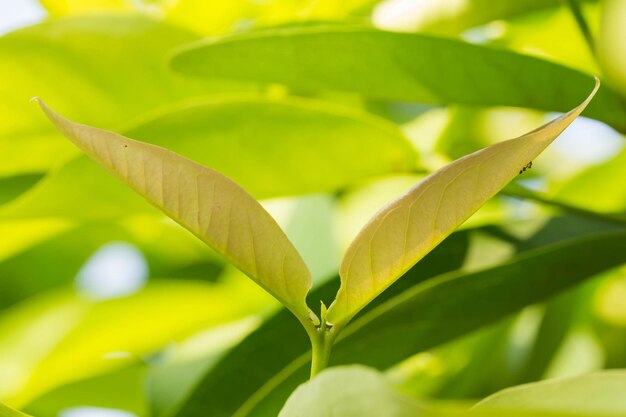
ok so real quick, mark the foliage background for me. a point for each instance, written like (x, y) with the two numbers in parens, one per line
(107, 308)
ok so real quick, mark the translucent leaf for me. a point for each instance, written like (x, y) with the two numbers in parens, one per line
(404, 231)
(211, 206)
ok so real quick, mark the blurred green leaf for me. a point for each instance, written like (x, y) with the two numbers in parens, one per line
(611, 49)
(113, 65)
(79, 190)
(121, 389)
(6, 411)
(397, 66)
(208, 204)
(12, 187)
(541, 33)
(597, 188)
(409, 227)
(353, 391)
(594, 395)
(61, 256)
(39, 337)
(427, 315)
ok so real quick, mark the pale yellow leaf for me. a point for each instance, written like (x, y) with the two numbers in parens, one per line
(405, 230)
(205, 202)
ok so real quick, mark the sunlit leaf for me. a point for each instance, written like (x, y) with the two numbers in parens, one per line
(211, 206)
(594, 395)
(408, 228)
(397, 66)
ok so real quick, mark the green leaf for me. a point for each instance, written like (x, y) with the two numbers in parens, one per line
(208, 204)
(122, 389)
(611, 51)
(6, 411)
(353, 391)
(405, 230)
(42, 335)
(397, 66)
(12, 187)
(112, 64)
(428, 314)
(594, 395)
(595, 189)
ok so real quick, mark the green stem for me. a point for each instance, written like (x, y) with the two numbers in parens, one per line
(322, 340)
(321, 347)
(574, 6)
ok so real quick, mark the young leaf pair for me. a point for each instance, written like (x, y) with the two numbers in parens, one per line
(234, 224)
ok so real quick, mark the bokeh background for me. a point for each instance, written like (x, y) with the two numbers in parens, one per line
(109, 309)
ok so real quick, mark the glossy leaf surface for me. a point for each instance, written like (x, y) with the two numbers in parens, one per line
(398, 66)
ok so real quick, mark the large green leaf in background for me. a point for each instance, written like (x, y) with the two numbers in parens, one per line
(208, 204)
(597, 394)
(398, 66)
(409, 227)
(430, 313)
(103, 70)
